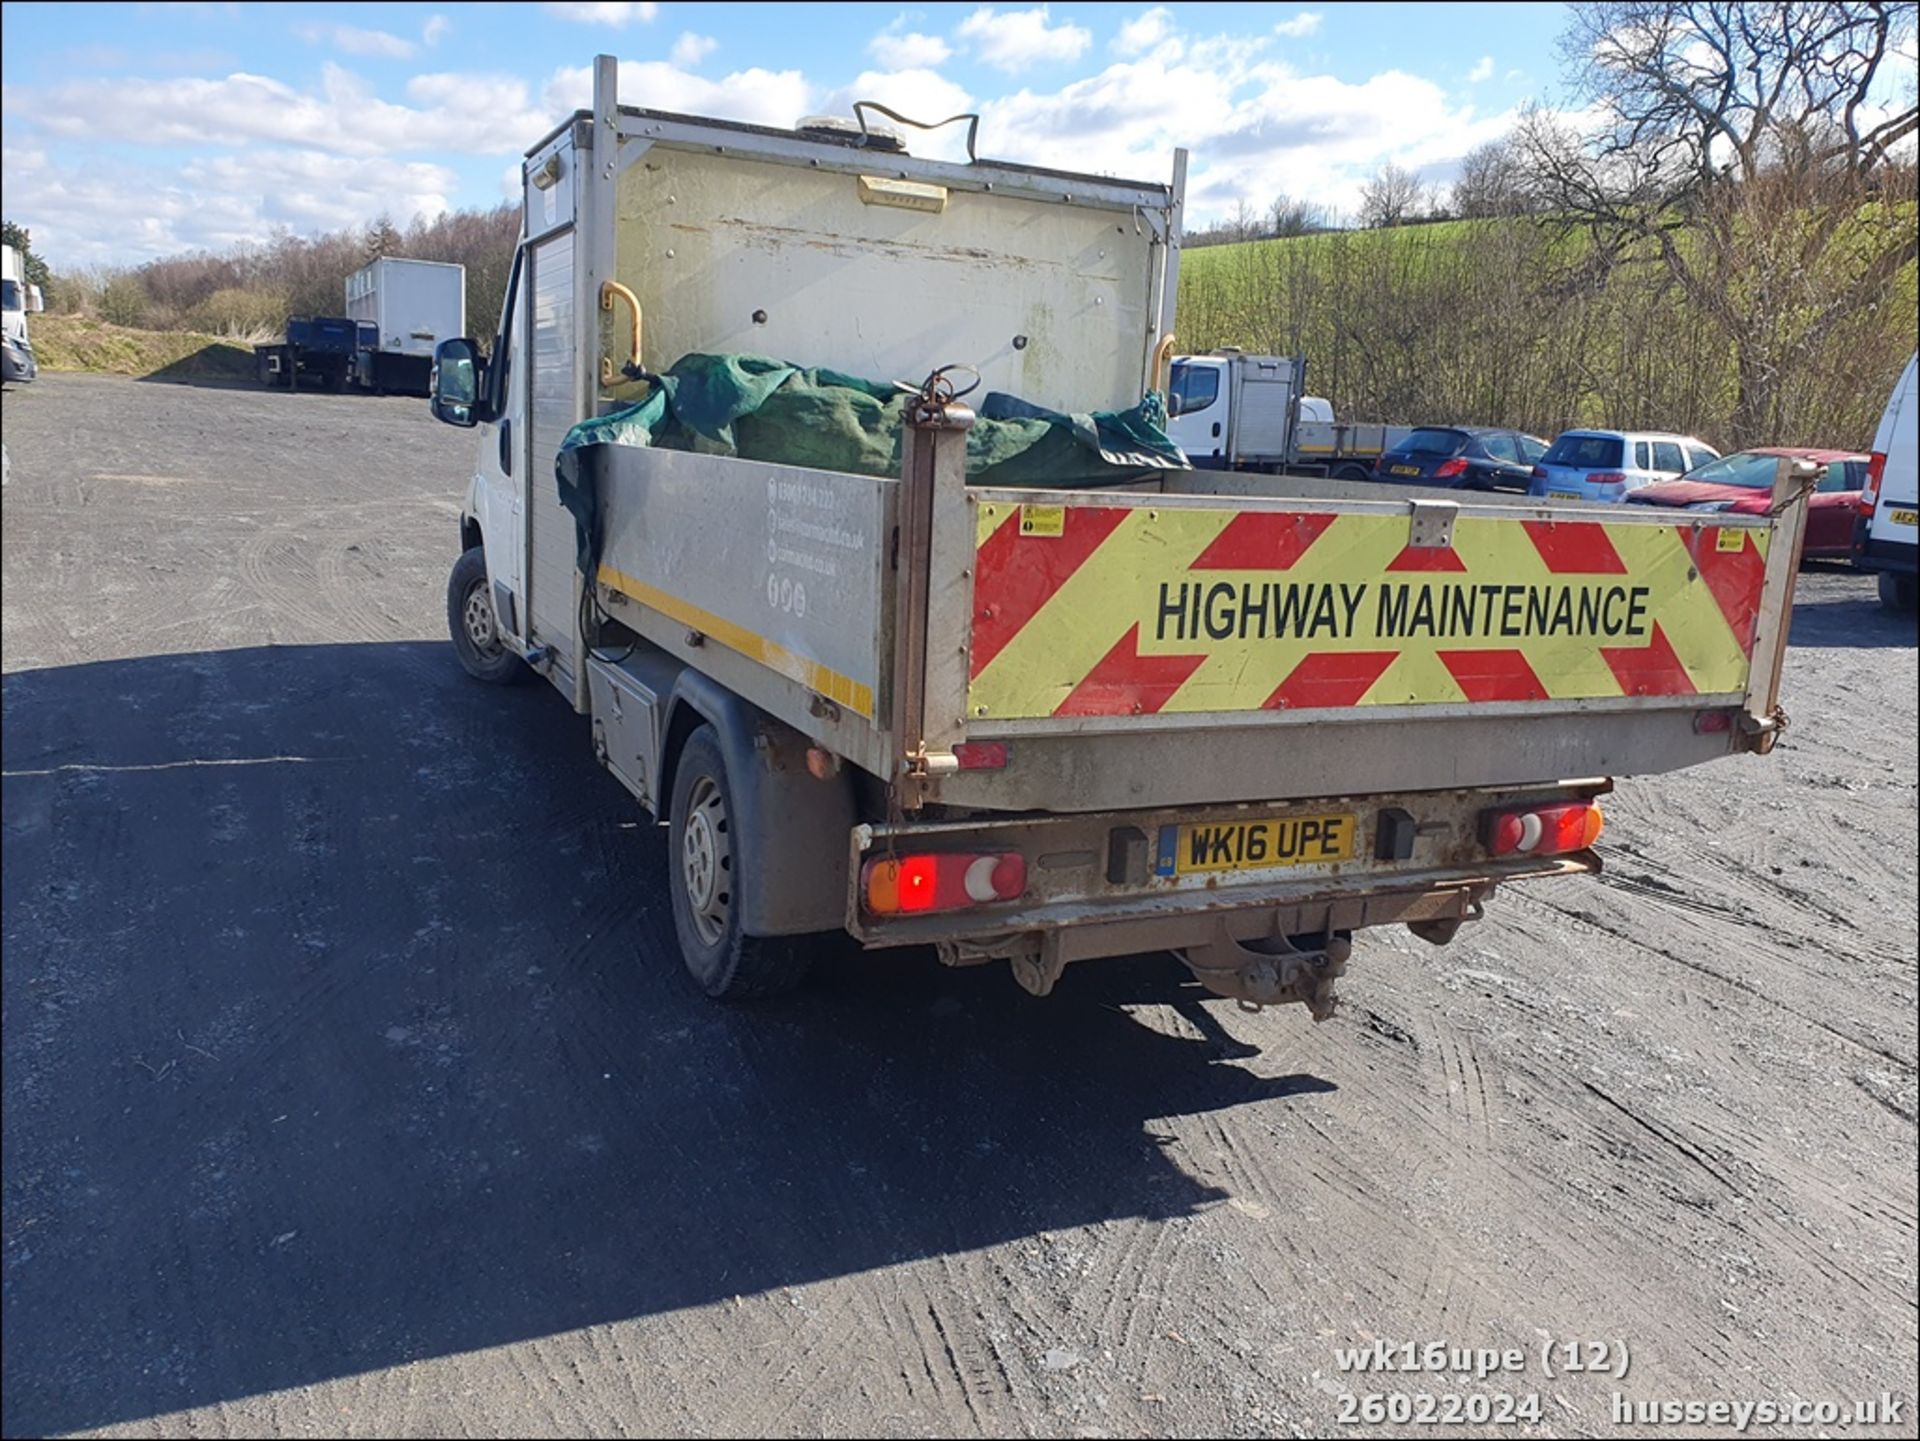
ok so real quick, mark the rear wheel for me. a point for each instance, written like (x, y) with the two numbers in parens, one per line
(707, 870)
(476, 633)
(1899, 592)
(1353, 472)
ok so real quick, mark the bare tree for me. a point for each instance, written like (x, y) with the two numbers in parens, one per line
(1492, 183)
(383, 239)
(1392, 196)
(1753, 153)
(1288, 217)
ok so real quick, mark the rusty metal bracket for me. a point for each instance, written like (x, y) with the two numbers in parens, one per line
(934, 458)
(1278, 973)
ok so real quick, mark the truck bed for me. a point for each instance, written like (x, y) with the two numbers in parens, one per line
(1156, 649)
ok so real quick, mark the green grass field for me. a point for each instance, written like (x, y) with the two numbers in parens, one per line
(70, 342)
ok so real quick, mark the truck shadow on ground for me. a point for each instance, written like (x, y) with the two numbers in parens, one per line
(344, 1027)
(1853, 619)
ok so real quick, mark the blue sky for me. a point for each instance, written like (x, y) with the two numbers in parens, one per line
(135, 130)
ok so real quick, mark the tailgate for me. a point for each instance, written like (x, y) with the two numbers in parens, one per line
(1099, 612)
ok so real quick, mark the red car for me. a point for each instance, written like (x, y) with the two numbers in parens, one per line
(1743, 483)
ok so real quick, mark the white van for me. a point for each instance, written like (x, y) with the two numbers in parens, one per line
(1886, 535)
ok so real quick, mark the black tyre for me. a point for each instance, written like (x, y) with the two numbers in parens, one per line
(1353, 472)
(705, 874)
(475, 631)
(1899, 592)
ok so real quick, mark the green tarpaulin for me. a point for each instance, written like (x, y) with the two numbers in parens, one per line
(760, 409)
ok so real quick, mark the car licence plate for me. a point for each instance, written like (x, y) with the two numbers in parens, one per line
(1561, 495)
(1403, 470)
(1256, 845)
(1904, 517)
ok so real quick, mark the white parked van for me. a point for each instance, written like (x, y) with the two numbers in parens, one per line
(1886, 536)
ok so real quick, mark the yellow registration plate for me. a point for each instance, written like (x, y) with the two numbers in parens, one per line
(1561, 495)
(1256, 845)
(1904, 517)
(1404, 469)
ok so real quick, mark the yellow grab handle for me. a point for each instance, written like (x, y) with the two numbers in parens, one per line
(608, 290)
(1163, 365)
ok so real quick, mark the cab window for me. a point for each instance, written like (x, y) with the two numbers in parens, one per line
(1193, 387)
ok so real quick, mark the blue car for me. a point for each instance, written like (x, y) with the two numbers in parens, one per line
(1462, 457)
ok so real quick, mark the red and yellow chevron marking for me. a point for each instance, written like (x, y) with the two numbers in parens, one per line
(1134, 610)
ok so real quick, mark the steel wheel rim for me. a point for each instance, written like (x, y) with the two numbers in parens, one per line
(706, 861)
(478, 617)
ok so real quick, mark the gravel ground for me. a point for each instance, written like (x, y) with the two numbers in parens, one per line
(352, 1085)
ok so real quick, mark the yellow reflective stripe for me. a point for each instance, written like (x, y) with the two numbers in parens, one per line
(843, 690)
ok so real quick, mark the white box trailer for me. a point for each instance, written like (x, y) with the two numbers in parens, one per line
(411, 306)
(1191, 711)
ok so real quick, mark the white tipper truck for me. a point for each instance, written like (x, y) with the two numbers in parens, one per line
(1188, 712)
(1234, 411)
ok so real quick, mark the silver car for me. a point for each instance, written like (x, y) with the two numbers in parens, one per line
(1604, 465)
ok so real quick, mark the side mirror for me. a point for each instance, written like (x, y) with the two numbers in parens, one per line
(1173, 403)
(459, 385)
(36, 302)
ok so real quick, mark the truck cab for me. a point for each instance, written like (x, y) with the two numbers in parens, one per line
(17, 300)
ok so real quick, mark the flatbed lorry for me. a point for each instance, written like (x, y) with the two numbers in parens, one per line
(1234, 411)
(397, 311)
(1188, 711)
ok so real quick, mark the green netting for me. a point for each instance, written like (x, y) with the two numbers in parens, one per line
(760, 409)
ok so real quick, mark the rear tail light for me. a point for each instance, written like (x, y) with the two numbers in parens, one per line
(1451, 468)
(1541, 830)
(1870, 495)
(1539, 472)
(946, 881)
(1607, 477)
(981, 755)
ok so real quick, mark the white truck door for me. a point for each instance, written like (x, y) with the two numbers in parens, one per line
(500, 480)
(1199, 403)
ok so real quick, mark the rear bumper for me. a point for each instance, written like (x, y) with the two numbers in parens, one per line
(1555, 486)
(1893, 556)
(1101, 885)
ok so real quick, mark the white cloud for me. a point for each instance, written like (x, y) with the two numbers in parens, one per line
(896, 49)
(1012, 40)
(1255, 129)
(435, 30)
(1144, 32)
(355, 41)
(1482, 71)
(607, 12)
(760, 97)
(464, 114)
(1306, 23)
(118, 213)
(690, 49)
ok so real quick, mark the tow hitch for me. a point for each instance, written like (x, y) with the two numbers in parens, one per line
(1275, 971)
